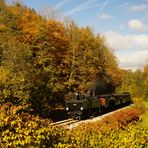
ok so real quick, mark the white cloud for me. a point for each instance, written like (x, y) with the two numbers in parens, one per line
(105, 16)
(124, 43)
(141, 7)
(136, 25)
(119, 41)
(133, 60)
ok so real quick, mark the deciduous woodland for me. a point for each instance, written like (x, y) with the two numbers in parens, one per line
(43, 60)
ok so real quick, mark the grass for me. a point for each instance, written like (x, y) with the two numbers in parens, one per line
(146, 104)
(145, 115)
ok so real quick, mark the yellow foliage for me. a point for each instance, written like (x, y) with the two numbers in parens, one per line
(3, 27)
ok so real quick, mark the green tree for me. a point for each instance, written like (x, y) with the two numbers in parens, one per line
(145, 82)
(13, 67)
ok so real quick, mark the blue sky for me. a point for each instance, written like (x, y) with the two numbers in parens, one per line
(124, 23)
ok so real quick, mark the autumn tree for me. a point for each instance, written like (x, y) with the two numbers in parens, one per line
(45, 59)
(89, 59)
(13, 67)
(145, 82)
(20, 67)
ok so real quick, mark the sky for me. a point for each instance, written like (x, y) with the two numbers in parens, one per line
(124, 23)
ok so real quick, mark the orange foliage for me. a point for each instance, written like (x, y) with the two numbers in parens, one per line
(29, 22)
(56, 34)
(123, 117)
(17, 10)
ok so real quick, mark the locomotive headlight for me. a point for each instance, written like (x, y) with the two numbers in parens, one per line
(81, 108)
(67, 108)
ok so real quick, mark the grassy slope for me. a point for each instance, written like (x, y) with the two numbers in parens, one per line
(146, 104)
(145, 116)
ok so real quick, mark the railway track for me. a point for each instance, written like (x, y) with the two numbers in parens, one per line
(71, 123)
(65, 122)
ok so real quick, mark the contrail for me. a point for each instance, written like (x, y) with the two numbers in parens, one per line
(84, 6)
(100, 11)
(62, 3)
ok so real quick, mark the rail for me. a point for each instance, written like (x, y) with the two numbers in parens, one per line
(64, 122)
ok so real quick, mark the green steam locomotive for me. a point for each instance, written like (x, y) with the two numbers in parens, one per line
(84, 106)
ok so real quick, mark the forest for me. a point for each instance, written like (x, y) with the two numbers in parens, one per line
(42, 61)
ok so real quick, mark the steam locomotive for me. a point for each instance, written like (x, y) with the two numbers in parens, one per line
(84, 106)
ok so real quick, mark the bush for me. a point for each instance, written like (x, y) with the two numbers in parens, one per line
(122, 129)
(25, 130)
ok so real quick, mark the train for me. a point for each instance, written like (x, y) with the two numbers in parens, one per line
(82, 106)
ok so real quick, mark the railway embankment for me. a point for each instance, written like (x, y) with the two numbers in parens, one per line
(71, 123)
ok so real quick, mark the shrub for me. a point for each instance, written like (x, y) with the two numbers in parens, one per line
(25, 130)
